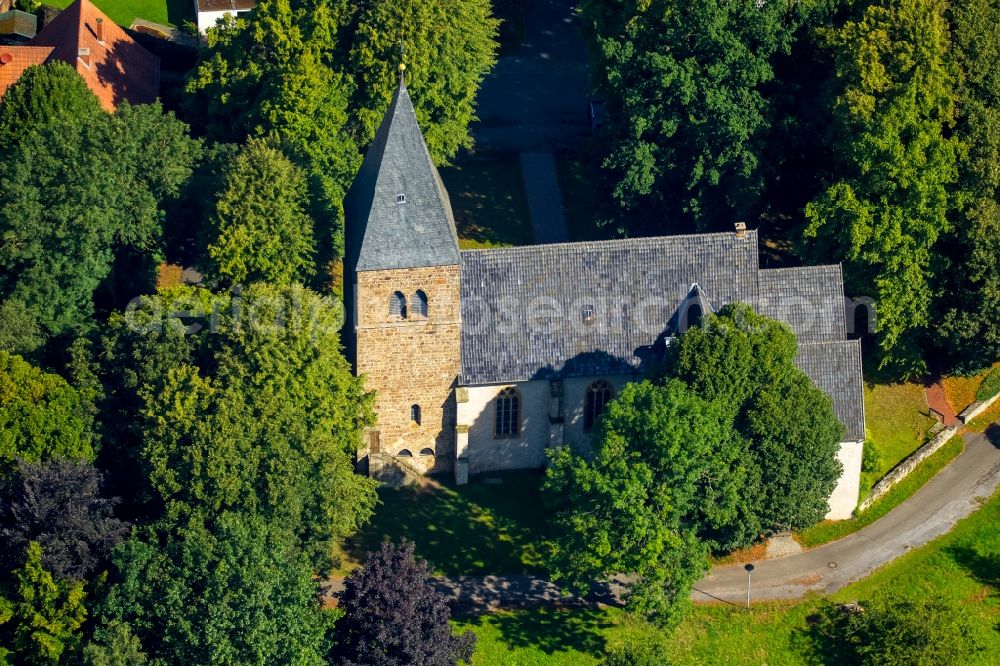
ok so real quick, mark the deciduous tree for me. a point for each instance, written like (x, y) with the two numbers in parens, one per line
(58, 505)
(261, 230)
(885, 211)
(667, 466)
(394, 616)
(41, 416)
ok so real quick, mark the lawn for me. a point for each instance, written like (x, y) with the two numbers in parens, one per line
(960, 391)
(961, 567)
(123, 12)
(487, 197)
(493, 525)
(898, 420)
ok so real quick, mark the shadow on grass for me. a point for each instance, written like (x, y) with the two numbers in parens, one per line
(821, 641)
(475, 529)
(487, 197)
(551, 630)
(984, 568)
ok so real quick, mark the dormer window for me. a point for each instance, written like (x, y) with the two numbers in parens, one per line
(587, 314)
(401, 198)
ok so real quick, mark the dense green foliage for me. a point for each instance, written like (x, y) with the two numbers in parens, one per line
(685, 85)
(45, 94)
(393, 616)
(970, 307)
(41, 416)
(260, 230)
(79, 190)
(327, 78)
(891, 632)
(744, 361)
(705, 458)
(447, 46)
(41, 622)
(228, 591)
(875, 123)
(893, 116)
(666, 469)
(251, 409)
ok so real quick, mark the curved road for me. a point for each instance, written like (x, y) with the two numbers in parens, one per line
(953, 494)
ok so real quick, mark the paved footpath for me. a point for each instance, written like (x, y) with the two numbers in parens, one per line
(541, 189)
(953, 494)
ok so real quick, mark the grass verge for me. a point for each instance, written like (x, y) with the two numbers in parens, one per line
(480, 528)
(960, 567)
(582, 188)
(832, 530)
(898, 420)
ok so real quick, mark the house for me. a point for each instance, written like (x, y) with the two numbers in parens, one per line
(114, 66)
(483, 359)
(210, 12)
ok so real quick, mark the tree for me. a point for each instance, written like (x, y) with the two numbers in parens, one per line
(897, 632)
(744, 362)
(969, 304)
(394, 616)
(114, 644)
(894, 115)
(77, 192)
(252, 410)
(273, 75)
(260, 229)
(42, 95)
(315, 77)
(667, 467)
(689, 113)
(448, 47)
(224, 591)
(45, 614)
(41, 416)
(57, 504)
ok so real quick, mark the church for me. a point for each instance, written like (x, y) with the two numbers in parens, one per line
(483, 359)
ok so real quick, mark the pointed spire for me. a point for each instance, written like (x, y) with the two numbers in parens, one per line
(397, 211)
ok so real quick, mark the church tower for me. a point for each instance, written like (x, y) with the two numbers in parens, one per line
(402, 279)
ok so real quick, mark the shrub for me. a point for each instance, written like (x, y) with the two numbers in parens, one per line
(990, 386)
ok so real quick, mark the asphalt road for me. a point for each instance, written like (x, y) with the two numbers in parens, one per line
(953, 494)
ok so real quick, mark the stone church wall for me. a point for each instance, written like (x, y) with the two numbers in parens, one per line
(844, 497)
(411, 361)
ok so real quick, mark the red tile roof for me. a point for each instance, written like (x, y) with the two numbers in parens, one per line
(20, 59)
(115, 67)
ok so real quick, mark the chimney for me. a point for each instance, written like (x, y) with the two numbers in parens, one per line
(741, 229)
(99, 29)
(84, 55)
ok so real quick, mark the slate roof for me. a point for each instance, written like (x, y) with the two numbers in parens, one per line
(809, 299)
(835, 367)
(384, 234)
(522, 307)
(609, 308)
(116, 68)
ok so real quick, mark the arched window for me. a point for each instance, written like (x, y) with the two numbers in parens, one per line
(415, 414)
(599, 394)
(508, 417)
(405, 453)
(427, 452)
(420, 304)
(693, 316)
(397, 305)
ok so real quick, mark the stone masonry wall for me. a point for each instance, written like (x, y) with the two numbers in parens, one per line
(411, 361)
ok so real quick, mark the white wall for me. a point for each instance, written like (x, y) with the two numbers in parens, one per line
(844, 498)
(527, 451)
